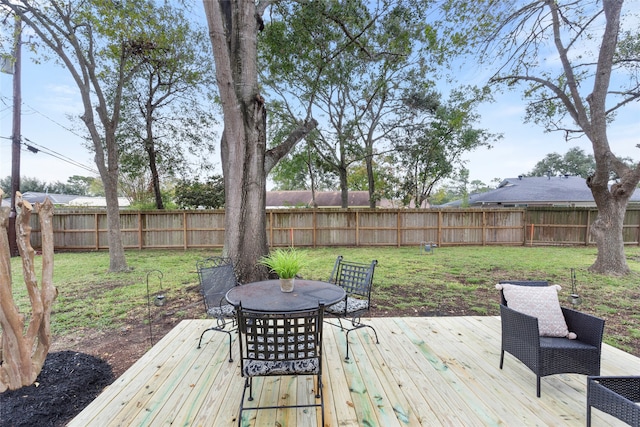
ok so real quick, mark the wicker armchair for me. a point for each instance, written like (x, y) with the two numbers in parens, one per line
(217, 276)
(550, 355)
(356, 279)
(280, 344)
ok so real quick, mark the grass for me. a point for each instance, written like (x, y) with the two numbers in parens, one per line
(451, 280)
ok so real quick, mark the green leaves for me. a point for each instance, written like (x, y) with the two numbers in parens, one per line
(431, 150)
(286, 263)
(193, 194)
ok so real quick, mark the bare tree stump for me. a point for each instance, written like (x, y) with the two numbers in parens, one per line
(23, 353)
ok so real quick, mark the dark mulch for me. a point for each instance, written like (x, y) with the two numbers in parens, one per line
(68, 382)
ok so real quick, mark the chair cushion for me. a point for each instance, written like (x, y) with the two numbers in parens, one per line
(225, 310)
(540, 302)
(353, 304)
(309, 366)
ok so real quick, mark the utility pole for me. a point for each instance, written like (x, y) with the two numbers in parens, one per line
(15, 137)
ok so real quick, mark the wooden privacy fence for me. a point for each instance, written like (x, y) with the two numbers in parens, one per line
(87, 229)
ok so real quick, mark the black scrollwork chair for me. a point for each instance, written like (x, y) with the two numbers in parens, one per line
(547, 355)
(356, 279)
(280, 344)
(217, 276)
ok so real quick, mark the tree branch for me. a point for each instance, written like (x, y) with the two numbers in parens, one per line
(273, 155)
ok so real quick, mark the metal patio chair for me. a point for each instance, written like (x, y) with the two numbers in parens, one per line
(356, 279)
(217, 276)
(280, 344)
(551, 355)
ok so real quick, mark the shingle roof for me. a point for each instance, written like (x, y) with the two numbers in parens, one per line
(57, 199)
(34, 197)
(555, 190)
(323, 198)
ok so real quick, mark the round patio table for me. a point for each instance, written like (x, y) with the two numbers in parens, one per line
(267, 296)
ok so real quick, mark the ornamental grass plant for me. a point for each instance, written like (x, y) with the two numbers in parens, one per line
(286, 263)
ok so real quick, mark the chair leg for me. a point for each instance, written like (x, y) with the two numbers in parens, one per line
(250, 383)
(588, 415)
(538, 385)
(360, 326)
(501, 358)
(247, 384)
(320, 395)
(374, 332)
(318, 387)
(218, 330)
(230, 347)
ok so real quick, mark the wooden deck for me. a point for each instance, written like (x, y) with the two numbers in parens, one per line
(428, 371)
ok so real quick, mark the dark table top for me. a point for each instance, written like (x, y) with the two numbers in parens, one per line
(267, 296)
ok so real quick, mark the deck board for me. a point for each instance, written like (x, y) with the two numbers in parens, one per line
(429, 371)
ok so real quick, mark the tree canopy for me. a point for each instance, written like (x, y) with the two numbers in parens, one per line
(574, 162)
(362, 87)
(168, 109)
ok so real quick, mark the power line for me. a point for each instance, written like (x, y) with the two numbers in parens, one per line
(36, 148)
(53, 121)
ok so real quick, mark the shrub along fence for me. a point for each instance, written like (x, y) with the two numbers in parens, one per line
(86, 229)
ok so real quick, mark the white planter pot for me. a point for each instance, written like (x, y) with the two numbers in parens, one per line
(286, 285)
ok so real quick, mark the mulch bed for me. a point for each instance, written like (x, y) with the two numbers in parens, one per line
(68, 382)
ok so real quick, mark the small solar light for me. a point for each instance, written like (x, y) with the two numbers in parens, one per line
(428, 247)
(159, 301)
(574, 298)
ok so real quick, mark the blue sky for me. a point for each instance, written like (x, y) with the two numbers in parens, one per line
(49, 95)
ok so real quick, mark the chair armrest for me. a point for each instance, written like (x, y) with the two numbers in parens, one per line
(519, 326)
(626, 386)
(588, 328)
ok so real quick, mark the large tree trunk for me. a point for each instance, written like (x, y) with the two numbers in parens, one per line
(109, 175)
(611, 200)
(607, 229)
(150, 149)
(371, 178)
(607, 232)
(155, 177)
(117, 259)
(234, 27)
(24, 352)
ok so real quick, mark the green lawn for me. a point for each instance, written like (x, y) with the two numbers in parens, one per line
(450, 281)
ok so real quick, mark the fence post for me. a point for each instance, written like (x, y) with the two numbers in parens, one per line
(270, 228)
(484, 228)
(588, 233)
(185, 231)
(315, 226)
(398, 228)
(531, 235)
(439, 236)
(97, 222)
(139, 230)
(357, 228)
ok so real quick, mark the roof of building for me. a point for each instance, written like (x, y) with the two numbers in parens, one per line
(277, 199)
(539, 191)
(57, 199)
(66, 199)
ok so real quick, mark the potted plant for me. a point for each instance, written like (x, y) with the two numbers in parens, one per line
(286, 263)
